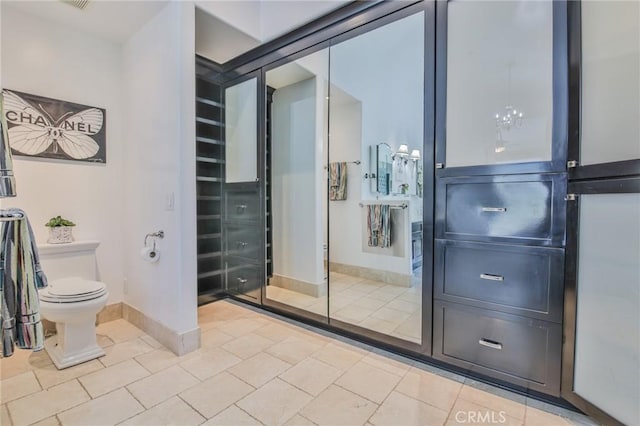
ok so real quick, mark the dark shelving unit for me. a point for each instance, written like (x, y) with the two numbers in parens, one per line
(210, 173)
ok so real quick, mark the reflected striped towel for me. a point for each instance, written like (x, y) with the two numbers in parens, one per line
(337, 181)
(20, 278)
(379, 225)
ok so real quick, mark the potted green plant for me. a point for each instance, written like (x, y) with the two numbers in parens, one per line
(59, 230)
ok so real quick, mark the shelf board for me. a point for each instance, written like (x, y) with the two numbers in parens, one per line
(208, 216)
(209, 102)
(209, 160)
(210, 274)
(208, 179)
(209, 141)
(209, 122)
(209, 255)
(209, 236)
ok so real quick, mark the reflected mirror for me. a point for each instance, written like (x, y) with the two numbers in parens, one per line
(241, 135)
(375, 222)
(296, 186)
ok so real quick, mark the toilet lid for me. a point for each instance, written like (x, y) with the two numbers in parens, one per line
(72, 290)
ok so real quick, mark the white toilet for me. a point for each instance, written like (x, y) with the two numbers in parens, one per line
(72, 300)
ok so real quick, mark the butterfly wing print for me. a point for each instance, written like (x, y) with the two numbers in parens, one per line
(76, 131)
(31, 137)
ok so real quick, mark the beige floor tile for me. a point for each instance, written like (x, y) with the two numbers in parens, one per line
(369, 303)
(151, 342)
(114, 377)
(391, 315)
(390, 363)
(497, 403)
(49, 421)
(162, 385)
(51, 376)
(405, 306)
(274, 403)
(172, 412)
(43, 404)
(337, 406)
(338, 356)
(240, 327)
(399, 409)
(209, 362)
(368, 381)
(5, 420)
(352, 314)
(232, 416)
(311, 375)
(119, 330)
(411, 327)
(382, 295)
(108, 409)
(430, 388)
(298, 420)
(18, 386)
(535, 417)
(247, 345)
(123, 351)
(276, 332)
(216, 394)
(295, 349)
(104, 341)
(259, 369)
(159, 359)
(214, 338)
(466, 413)
(21, 361)
(379, 325)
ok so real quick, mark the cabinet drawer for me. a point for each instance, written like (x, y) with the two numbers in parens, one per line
(527, 209)
(243, 241)
(243, 278)
(523, 351)
(517, 279)
(242, 205)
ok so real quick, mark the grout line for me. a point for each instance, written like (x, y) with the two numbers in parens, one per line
(191, 406)
(454, 402)
(247, 413)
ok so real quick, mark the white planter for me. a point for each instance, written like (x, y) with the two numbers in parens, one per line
(60, 235)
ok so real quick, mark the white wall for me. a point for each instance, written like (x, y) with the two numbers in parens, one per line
(296, 208)
(159, 101)
(43, 58)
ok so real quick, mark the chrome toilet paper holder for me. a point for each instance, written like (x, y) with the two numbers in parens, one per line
(154, 235)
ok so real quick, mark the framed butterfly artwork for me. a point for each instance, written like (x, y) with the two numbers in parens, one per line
(50, 128)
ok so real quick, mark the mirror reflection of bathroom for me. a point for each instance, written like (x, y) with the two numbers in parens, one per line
(296, 187)
(375, 226)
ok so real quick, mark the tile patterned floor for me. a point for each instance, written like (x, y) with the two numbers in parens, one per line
(381, 307)
(253, 369)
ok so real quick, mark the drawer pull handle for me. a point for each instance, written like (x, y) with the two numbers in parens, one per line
(242, 280)
(494, 209)
(241, 244)
(492, 277)
(490, 344)
(240, 208)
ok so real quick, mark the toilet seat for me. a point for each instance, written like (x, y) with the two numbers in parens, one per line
(72, 290)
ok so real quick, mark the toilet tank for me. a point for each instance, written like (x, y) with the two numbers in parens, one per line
(75, 259)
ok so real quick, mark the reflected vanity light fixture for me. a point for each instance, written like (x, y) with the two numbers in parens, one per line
(415, 155)
(403, 151)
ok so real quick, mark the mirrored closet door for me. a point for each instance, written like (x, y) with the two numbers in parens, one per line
(296, 184)
(376, 147)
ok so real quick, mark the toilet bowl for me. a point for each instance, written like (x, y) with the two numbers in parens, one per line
(73, 303)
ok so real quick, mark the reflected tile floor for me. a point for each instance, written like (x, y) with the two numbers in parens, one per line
(292, 375)
(375, 305)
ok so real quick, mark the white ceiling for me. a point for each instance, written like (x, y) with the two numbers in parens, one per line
(114, 20)
(252, 21)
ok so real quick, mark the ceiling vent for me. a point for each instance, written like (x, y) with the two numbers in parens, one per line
(80, 4)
